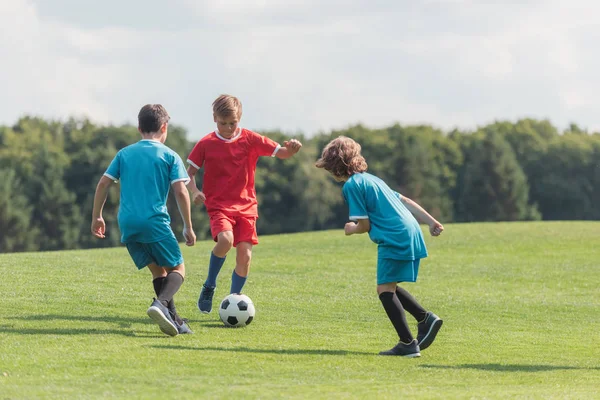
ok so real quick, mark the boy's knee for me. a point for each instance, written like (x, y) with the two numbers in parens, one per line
(386, 287)
(225, 238)
(180, 269)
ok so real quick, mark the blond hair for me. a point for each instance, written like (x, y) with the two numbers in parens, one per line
(342, 158)
(227, 106)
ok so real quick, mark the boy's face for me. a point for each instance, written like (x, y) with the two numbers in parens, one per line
(227, 125)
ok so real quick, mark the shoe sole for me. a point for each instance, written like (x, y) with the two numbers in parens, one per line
(163, 322)
(203, 311)
(430, 336)
(414, 355)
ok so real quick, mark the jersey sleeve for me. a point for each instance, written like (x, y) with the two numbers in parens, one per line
(114, 169)
(262, 145)
(196, 157)
(356, 201)
(398, 195)
(178, 172)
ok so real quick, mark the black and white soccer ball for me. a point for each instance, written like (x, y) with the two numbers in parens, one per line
(236, 310)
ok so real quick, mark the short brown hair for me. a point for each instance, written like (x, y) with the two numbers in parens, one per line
(151, 117)
(342, 158)
(227, 106)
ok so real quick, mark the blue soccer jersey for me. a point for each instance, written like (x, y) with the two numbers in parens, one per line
(146, 169)
(393, 227)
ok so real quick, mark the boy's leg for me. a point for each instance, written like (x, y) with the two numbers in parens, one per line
(242, 267)
(159, 310)
(222, 230)
(394, 311)
(410, 304)
(407, 347)
(157, 282)
(245, 235)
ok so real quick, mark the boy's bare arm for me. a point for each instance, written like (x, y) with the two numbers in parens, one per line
(98, 225)
(290, 147)
(183, 203)
(362, 226)
(197, 196)
(435, 228)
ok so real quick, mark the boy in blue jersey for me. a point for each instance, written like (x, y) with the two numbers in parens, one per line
(147, 170)
(388, 218)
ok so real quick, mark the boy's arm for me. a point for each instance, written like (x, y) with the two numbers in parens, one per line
(435, 228)
(362, 226)
(290, 147)
(98, 225)
(183, 203)
(197, 196)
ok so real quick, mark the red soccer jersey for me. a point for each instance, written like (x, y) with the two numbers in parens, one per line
(229, 169)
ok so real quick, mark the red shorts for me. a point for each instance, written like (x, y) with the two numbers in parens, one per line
(244, 228)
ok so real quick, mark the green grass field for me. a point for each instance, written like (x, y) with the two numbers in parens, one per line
(520, 303)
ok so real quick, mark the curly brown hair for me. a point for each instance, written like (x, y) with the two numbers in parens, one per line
(342, 158)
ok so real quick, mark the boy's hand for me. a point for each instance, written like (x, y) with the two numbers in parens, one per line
(189, 235)
(349, 228)
(98, 227)
(292, 145)
(435, 228)
(198, 198)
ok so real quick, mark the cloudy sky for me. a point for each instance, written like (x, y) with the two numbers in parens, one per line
(303, 65)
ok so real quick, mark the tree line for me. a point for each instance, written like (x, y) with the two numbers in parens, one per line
(504, 171)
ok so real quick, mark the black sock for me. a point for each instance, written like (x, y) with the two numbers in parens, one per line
(157, 283)
(170, 286)
(396, 314)
(410, 304)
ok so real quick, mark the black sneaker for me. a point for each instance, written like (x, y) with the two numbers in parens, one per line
(205, 299)
(160, 314)
(183, 327)
(428, 329)
(409, 350)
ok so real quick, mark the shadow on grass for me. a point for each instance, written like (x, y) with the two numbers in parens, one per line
(125, 325)
(121, 321)
(510, 367)
(267, 351)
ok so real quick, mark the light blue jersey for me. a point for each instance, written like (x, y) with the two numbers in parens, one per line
(146, 169)
(393, 227)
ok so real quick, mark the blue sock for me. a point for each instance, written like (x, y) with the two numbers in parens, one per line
(213, 269)
(237, 282)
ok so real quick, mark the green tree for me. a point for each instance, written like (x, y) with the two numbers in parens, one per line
(493, 187)
(570, 184)
(15, 215)
(55, 213)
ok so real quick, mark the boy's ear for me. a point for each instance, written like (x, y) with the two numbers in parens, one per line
(164, 127)
(215, 117)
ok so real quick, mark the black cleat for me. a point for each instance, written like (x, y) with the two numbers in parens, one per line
(160, 314)
(409, 350)
(183, 327)
(428, 329)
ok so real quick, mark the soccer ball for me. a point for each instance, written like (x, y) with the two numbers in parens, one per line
(236, 310)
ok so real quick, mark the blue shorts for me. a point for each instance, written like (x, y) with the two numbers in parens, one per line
(390, 270)
(165, 253)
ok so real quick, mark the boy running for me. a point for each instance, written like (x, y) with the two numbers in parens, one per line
(388, 218)
(147, 169)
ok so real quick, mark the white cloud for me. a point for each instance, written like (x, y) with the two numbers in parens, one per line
(304, 65)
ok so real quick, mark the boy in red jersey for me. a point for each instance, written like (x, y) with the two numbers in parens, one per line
(228, 156)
